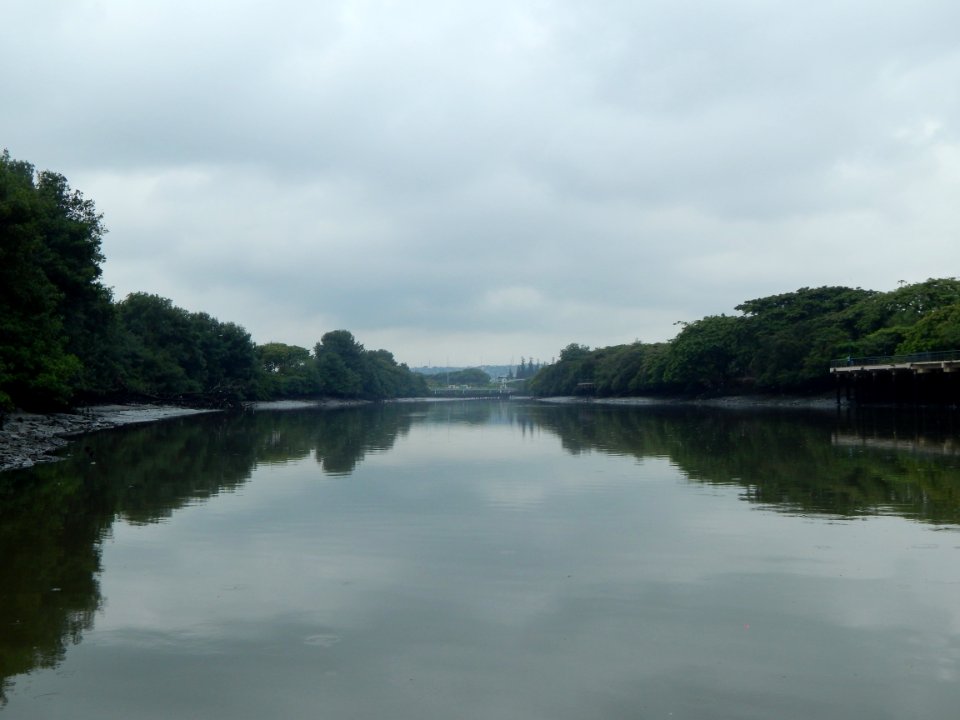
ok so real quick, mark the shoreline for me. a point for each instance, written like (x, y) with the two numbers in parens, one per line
(815, 402)
(27, 439)
(30, 438)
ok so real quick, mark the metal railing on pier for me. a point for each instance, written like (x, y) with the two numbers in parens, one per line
(923, 357)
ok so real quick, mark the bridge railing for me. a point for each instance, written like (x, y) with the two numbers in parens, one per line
(473, 392)
(939, 356)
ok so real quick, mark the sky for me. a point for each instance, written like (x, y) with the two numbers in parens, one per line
(467, 183)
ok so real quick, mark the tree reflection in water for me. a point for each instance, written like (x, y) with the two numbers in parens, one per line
(54, 518)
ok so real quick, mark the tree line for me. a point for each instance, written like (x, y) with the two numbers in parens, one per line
(64, 340)
(526, 370)
(778, 344)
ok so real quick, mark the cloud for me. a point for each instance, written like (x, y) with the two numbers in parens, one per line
(508, 177)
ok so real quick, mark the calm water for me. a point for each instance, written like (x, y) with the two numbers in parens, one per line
(484, 560)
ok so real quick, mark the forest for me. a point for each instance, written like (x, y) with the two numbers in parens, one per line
(64, 340)
(782, 344)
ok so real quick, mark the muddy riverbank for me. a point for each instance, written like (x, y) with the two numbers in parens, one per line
(29, 438)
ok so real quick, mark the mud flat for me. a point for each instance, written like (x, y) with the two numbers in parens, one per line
(27, 438)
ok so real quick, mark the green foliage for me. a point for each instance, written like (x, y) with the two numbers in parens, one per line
(904, 306)
(72, 229)
(577, 365)
(160, 355)
(388, 379)
(339, 364)
(278, 358)
(574, 352)
(781, 343)
(561, 378)
(884, 341)
(940, 330)
(705, 355)
(468, 376)
(171, 353)
(37, 318)
(804, 304)
(346, 370)
(613, 371)
(788, 340)
(286, 371)
(62, 338)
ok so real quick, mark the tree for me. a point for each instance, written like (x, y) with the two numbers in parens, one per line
(704, 355)
(286, 371)
(169, 352)
(346, 370)
(62, 338)
(903, 307)
(573, 351)
(939, 330)
(468, 376)
(780, 343)
(789, 339)
(229, 359)
(36, 368)
(71, 256)
(339, 358)
(577, 365)
(161, 356)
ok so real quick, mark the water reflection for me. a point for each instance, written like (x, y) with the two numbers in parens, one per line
(50, 550)
(54, 519)
(846, 465)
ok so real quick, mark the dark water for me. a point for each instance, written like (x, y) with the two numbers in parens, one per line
(485, 560)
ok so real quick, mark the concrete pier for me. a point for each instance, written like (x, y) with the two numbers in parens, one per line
(918, 379)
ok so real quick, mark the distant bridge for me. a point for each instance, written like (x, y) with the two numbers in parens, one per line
(473, 393)
(928, 378)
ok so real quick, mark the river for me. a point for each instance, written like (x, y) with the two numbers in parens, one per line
(488, 560)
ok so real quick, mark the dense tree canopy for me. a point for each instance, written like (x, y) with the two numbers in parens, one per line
(169, 352)
(53, 309)
(346, 369)
(286, 371)
(64, 340)
(468, 376)
(781, 343)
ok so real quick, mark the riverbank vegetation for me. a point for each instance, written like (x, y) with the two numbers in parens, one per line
(778, 344)
(64, 340)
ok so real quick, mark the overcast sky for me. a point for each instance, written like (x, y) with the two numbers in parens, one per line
(476, 182)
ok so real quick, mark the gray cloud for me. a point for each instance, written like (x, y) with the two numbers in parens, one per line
(496, 179)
